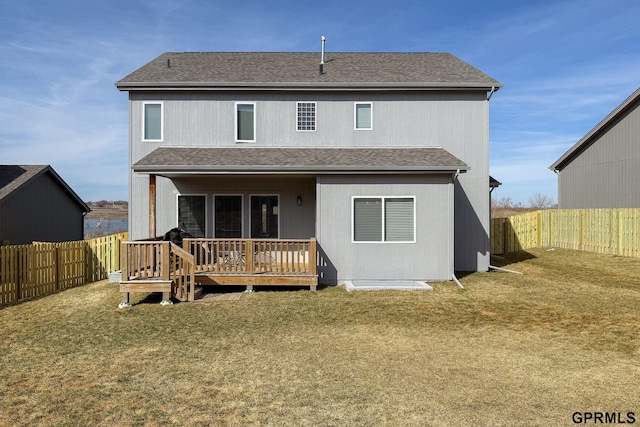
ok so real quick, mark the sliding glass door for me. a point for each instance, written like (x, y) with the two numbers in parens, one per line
(228, 217)
(264, 217)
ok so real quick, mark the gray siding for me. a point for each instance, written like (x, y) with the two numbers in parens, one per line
(605, 174)
(41, 210)
(429, 258)
(454, 120)
(296, 222)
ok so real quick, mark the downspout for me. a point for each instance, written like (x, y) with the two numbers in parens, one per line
(452, 238)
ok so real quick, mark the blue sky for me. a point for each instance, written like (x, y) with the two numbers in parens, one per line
(565, 65)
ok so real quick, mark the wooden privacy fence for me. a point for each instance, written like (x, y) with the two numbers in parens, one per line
(28, 271)
(605, 231)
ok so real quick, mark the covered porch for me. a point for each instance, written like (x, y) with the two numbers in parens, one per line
(162, 266)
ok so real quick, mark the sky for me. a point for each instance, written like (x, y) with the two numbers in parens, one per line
(565, 65)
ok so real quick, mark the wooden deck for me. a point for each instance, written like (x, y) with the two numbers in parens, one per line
(158, 266)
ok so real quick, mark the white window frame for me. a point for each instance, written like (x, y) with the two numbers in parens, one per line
(355, 115)
(144, 117)
(235, 120)
(383, 222)
(315, 116)
(279, 210)
(206, 204)
(242, 207)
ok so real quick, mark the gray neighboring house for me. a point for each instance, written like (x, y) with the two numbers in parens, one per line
(602, 170)
(381, 157)
(37, 205)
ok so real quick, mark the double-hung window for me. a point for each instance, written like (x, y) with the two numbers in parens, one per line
(363, 116)
(152, 121)
(384, 219)
(245, 122)
(305, 116)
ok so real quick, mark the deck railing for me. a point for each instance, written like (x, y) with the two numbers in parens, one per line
(253, 256)
(182, 265)
(159, 260)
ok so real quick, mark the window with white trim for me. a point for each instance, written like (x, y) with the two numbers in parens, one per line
(245, 122)
(363, 115)
(305, 116)
(152, 121)
(384, 219)
(191, 214)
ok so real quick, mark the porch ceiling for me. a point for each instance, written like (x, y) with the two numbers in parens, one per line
(252, 160)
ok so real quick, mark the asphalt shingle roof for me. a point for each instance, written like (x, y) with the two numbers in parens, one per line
(298, 69)
(298, 160)
(12, 177)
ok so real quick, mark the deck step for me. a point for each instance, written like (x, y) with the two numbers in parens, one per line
(143, 285)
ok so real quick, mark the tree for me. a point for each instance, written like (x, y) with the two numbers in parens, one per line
(506, 202)
(541, 201)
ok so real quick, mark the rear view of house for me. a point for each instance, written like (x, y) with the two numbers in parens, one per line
(380, 158)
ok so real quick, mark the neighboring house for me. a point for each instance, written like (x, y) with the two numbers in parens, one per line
(37, 205)
(602, 170)
(381, 157)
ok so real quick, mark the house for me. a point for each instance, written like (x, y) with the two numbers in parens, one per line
(381, 158)
(37, 205)
(602, 170)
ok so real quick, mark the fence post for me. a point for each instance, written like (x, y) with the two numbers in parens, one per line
(18, 273)
(56, 262)
(539, 229)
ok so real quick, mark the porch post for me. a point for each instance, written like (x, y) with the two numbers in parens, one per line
(152, 206)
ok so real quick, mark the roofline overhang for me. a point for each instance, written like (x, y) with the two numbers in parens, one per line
(598, 130)
(270, 86)
(57, 178)
(279, 170)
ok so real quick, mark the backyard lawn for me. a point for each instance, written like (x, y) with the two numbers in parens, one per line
(533, 349)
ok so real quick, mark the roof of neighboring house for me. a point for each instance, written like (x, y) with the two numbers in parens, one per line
(15, 177)
(300, 70)
(179, 160)
(628, 104)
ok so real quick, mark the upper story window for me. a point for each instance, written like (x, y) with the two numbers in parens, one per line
(384, 219)
(363, 116)
(306, 116)
(245, 122)
(152, 121)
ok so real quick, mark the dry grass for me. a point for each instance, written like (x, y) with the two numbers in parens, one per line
(509, 349)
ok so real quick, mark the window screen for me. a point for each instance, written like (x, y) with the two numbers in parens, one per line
(245, 122)
(383, 219)
(398, 215)
(153, 122)
(363, 116)
(367, 220)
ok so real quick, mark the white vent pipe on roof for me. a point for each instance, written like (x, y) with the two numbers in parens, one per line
(322, 40)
